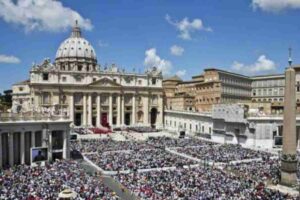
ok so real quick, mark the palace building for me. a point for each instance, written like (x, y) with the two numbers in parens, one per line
(76, 86)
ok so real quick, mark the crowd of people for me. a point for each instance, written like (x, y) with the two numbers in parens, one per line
(103, 145)
(223, 153)
(177, 142)
(141, 159)
(265, 170)
(234, 181)
(196, 184)
(25, 182)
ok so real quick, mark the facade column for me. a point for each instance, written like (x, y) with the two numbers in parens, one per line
(22, 149)
(1, 164)
(122, 109)
(84, 110)
(71, 110)
(146, 109)
(119, 110)
(110, 110)
(133, 109)
(160, 117)
(98, 123)
(90, 111)
(11, 149)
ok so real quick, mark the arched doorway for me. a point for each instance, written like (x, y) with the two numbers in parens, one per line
(153, 116)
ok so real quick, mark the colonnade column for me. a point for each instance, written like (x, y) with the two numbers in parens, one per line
(133, 109)
(22, 149)
(90, 111)
(122, 109)
(84, 110)
(1, 151)
(110, 119)
(71, 114)
(32, 139)
(65, 141)
(11, 149)
(146, 109)
(98, 123)
(44, 137)
(50, 149)
(119, 110)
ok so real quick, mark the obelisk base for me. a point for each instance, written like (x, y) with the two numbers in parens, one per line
(289, 170)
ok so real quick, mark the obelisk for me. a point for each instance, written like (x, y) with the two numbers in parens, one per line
(289, 149)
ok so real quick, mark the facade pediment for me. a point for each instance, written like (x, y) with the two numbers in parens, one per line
(104, 82)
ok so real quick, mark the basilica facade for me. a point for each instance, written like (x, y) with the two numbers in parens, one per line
(75, 86)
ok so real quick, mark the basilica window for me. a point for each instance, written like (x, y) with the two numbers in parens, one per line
(45, 76)
(79, 67)
(78, 98)
(64, 98)
(46, 98)
(153, 81)
(154, 99)
(64, 79)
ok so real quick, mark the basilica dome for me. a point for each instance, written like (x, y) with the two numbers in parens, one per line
(76, 47)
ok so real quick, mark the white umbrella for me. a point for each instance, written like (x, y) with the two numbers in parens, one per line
(67, 194)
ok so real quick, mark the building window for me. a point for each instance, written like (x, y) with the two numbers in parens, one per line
(79, 67)
(115, 80)
(45, 76)
(64, 79)
(140, 82)
(21, 89)
(153, 81)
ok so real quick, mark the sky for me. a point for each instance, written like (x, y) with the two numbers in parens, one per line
(250, 37)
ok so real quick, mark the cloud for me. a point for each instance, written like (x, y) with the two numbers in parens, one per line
(176, 50)
(102, 44)
(9, 59)
(186, 27)
(275, 5)
(263, 64)
(41, 15)
(181, 73)
(152, 59)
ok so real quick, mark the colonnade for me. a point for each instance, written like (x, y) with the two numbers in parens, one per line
(15, 146)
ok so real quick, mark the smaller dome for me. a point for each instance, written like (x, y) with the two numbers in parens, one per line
(76, 46)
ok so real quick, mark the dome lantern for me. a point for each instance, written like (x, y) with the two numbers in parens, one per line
(76, 32)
